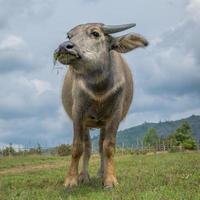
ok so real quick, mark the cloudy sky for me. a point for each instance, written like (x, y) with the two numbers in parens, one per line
(166, 74)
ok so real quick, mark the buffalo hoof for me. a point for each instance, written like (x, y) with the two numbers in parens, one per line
(70, 182)
(84, 177)
(110, 182)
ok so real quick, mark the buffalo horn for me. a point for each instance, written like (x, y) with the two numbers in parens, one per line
(108, 29)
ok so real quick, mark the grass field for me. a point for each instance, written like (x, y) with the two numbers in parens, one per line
(149, 177)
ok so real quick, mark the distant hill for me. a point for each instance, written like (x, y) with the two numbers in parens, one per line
(130, 137)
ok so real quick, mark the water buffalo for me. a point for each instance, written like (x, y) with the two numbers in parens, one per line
(96, 93)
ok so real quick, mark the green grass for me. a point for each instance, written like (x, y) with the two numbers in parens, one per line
(147, 177)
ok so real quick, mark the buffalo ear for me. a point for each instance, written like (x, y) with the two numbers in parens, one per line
(126, 43)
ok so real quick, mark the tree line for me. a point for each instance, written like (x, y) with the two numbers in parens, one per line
(182, 137)
(61, 150)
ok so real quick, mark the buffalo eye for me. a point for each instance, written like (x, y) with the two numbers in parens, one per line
(69, 36)
(95, 34)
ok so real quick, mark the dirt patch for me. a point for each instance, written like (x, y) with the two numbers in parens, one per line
(157, 152)
(22, 169)
(38, 167)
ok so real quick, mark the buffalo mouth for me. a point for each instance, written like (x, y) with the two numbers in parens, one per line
(65, 57)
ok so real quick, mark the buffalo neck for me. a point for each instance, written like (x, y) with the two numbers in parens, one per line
(103, 84)
(100, 79)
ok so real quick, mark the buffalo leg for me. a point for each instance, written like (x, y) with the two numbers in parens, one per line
(77, 150)
(101, 139)
(109, 177)
(84, 175)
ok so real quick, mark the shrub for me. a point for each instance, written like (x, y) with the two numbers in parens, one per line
(37, 150)
(189, 144)
(8, 151)
(64, 150)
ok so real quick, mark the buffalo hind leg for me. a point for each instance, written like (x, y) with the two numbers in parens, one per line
(77, 149)
(84, 175)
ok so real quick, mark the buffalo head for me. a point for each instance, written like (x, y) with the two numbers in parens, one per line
(88, 45)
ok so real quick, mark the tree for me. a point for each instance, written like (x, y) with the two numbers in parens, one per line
(183, 137)
(64, 150)
(8, 151)
(151, 137)
(37, 150)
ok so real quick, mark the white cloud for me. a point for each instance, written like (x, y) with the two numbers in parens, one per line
(22, 96)
(185, 114)
(41, 86)
(155, 41)
(15, 54)
(193, 8)
(16, 147)
(12, 42)
(166, 73)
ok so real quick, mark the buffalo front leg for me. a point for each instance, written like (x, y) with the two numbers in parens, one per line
(109, 176)
(77, 149)
(84, 175)
(101, 139)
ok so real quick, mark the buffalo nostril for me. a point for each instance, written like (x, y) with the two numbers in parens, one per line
(69, 46)
(66, 46)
